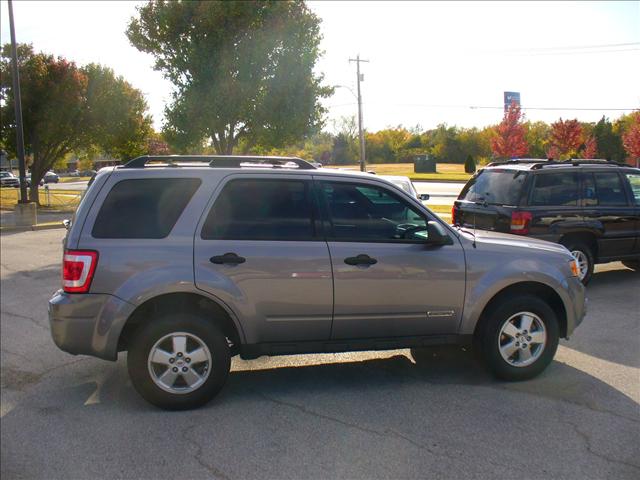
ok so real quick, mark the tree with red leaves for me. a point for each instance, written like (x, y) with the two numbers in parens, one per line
(631, 139)
(590, 148)
(566, 137)
(510, 141)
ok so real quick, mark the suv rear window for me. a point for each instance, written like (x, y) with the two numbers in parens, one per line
(495, 187)
(144, 208)
(261, 209)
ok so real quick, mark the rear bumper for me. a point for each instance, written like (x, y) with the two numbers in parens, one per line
(88, 324)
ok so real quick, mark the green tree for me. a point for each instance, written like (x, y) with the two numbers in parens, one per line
(241, 70)
(67, 109)
(609, 142)
(538, 135)
(469, 164)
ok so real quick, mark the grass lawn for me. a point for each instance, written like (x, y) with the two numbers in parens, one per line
(63, 200)
(74, 179)
(445, 171)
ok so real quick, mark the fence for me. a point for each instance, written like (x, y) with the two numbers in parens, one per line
(65, 200)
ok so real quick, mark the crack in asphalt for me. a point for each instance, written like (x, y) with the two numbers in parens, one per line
(587, 440)
(25, 317)
(382, 434)
(212, 469)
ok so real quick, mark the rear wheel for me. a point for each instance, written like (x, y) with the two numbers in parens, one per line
(584, 256)
(179, 361)
(519, 338)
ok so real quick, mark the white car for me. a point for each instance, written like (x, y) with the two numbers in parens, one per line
(405, 184)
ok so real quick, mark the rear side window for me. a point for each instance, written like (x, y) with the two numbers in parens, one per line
(262, 209)
(634, 181)
(144, 208)
(495, 187)
(609, 189)
(555, 189)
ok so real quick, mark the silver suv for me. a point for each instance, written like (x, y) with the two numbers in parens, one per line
(187, 262)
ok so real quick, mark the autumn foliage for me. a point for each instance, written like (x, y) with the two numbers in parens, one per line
(566, 138)
(590, 148)
(631, 138)
(510, 140)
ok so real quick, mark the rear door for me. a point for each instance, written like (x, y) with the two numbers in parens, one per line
(633, 180)
(387, 285)
(258, 249)
(610, 212)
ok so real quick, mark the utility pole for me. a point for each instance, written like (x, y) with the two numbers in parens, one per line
(360, 129)
(18, 108)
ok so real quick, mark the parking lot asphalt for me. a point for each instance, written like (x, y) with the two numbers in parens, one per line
(353, 415)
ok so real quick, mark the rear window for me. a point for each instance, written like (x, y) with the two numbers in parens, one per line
(144, 208)
(555, 189)
(495, 187)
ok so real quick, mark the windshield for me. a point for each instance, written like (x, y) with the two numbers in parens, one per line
(495, 187)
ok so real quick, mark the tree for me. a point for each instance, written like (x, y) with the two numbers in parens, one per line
(469, 165)
(590, 147)
(538, 134)
(240, 70)
(66, 108)
(566, 138)
(631, 138)
(608, 141)
(510, 141)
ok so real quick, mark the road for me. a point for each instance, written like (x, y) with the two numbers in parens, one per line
(356, 415)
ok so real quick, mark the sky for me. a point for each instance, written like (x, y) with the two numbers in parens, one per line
(429, 62)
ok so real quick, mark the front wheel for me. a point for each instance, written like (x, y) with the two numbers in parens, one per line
(179, 361)
(519, 338)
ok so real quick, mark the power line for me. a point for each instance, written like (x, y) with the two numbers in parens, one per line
(479, 107)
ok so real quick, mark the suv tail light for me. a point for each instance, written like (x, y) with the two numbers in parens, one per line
(453, 214)
(78, 267)
(520, 222)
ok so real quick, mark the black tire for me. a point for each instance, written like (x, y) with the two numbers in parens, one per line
(588, 254)
(632, 264)
(488, 337)
(146, 337)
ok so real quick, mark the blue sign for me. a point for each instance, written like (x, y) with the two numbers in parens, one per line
(511, 97)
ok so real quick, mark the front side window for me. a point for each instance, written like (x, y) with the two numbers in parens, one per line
(366, 213)
(609, 189)
(262, 209)
(558, 189)
(143, 208)
(634, 181)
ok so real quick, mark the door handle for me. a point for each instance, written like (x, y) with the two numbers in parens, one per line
(361, 259)
(228, 258)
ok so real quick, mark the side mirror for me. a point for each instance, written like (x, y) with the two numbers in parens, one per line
(437, 234)
(67, 224)
(423, 196)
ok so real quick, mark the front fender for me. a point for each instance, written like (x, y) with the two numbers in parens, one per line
(485, 284)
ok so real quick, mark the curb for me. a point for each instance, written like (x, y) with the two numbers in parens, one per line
(27, 228)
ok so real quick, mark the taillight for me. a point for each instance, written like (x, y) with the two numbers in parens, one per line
(520, 222)
(78, 267)
(453, 215)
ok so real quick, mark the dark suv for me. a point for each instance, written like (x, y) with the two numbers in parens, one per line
(592, 207)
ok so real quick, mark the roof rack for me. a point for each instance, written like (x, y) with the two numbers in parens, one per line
(518, 160)
(221, 161)
(577, 162)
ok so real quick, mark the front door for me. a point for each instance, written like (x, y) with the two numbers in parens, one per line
(259, 252)
(385, 283)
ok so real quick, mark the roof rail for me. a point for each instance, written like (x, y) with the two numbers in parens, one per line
(221, 161)
(579, 161)
(518, 160)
